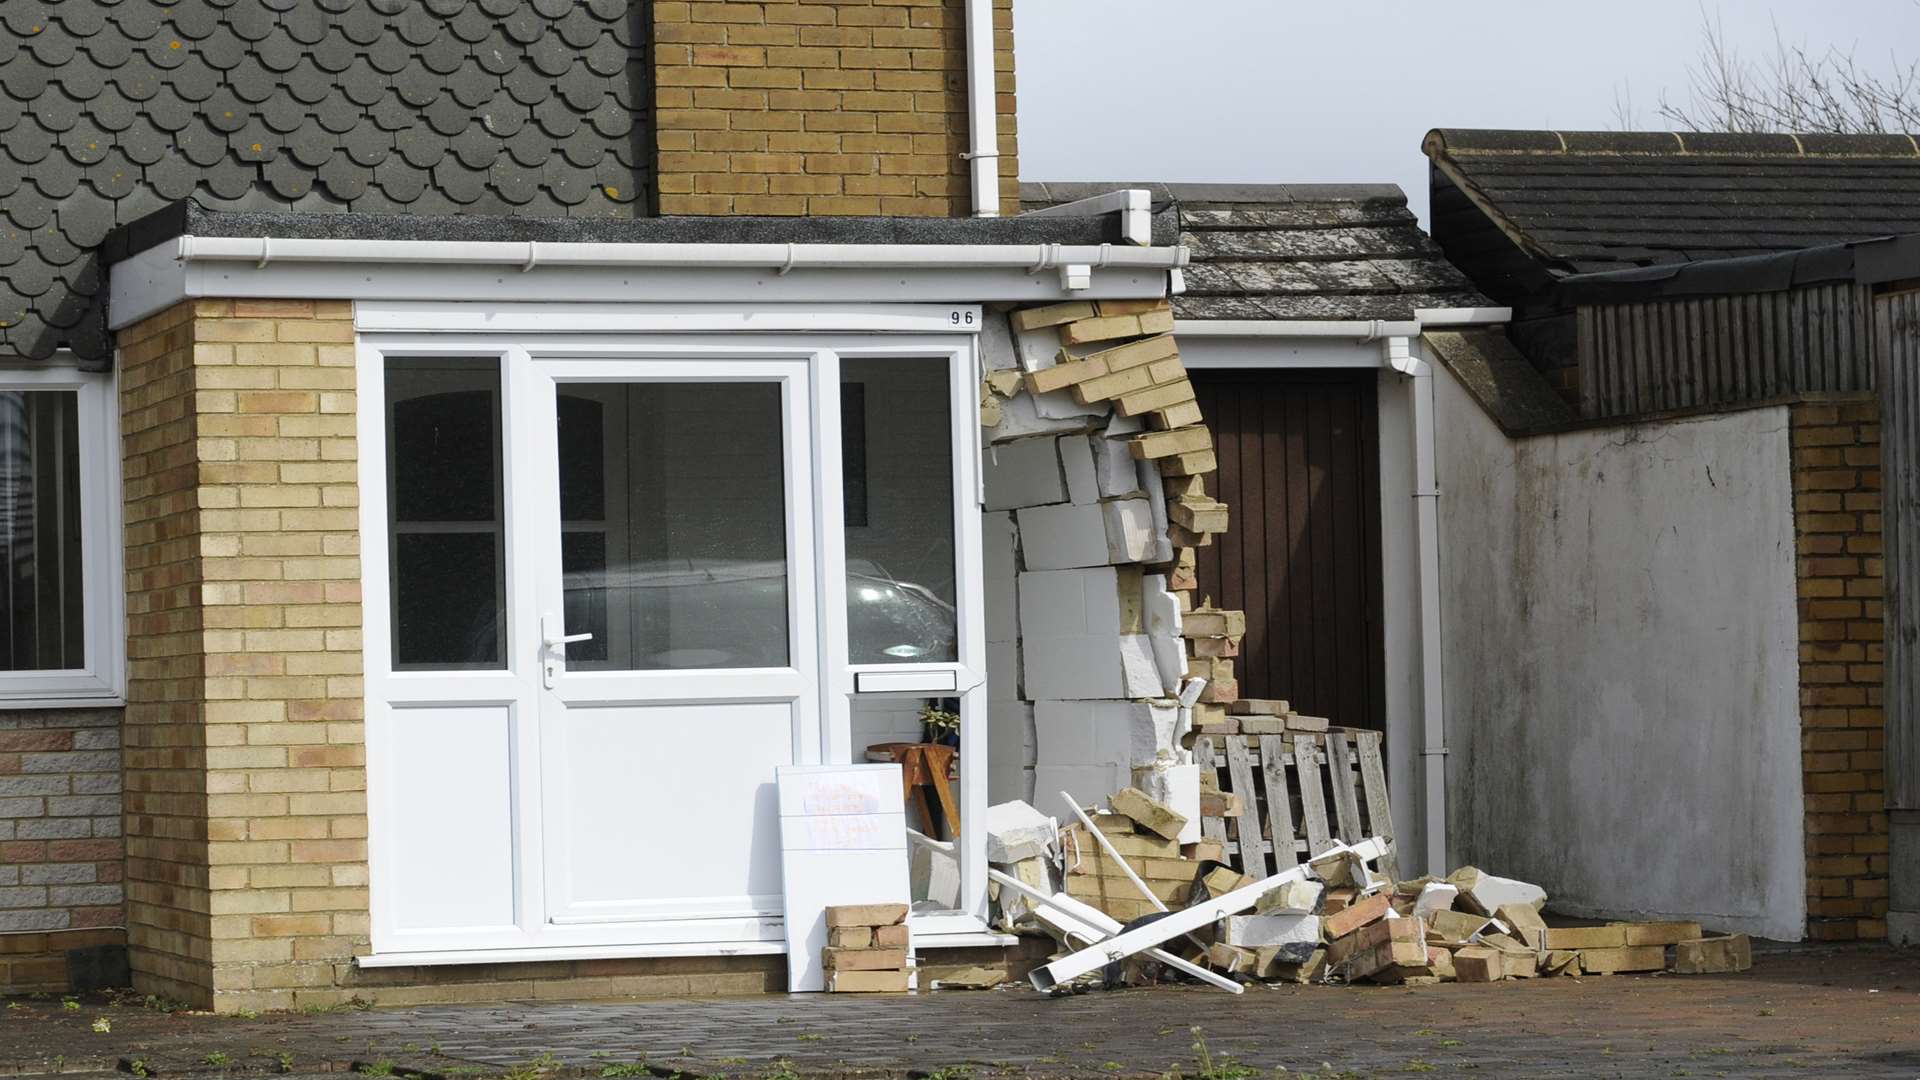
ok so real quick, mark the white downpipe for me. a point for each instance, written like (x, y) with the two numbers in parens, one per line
(983, 128)
(528, 255)
(1426, 503)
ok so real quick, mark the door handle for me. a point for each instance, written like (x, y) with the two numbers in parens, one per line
(553, 646)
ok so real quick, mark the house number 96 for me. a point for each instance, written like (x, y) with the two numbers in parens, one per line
(960, 318)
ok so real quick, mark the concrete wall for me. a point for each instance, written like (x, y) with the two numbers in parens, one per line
(1622, 664)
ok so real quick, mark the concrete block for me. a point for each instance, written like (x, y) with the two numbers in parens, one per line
(1293, 898)
(1063, 537)
(1023, 473)
(1076, 460)
(1139, 674)
(997, 349)
(1021, 418)
(1731, 953)
(1177, 786)
(1114, 468)
(1160, 546)
(1295, 935)
(1071, 603)
(1016, 831)
(1134, 532)
(1000, 571)
(1624, 958)
(1148, 813)
(1003, 671)
(1484, 893)
(1133, 733)
(1010, 738)
(933, 875)
(1162, 610)
(1039, 348)
(1007, 781)
(1081, 781)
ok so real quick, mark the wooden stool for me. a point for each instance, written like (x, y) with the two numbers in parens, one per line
(924, 766)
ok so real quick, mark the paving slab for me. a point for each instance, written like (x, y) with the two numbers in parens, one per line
(1802, 1011)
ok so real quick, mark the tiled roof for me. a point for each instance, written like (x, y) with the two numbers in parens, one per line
(1296, 251)
(112, 109)
(1581, 202)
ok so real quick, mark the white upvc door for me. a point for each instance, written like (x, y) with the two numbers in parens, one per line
(684, 501)
(674, 542)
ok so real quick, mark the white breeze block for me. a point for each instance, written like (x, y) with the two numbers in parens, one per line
(1000, 572)
(1133, 531)
(1091, 783)
(1163, 632)
(1010, 738)
(1159, 546)
(1008, 782)
(1003, 671)
(1178, 786)
(1261, 931)
(1022, 473)
(1135, 733)
(1070, 603)
(1117, 472)
(1138, 672)
(1039, 348)
(1083, 668)
(1058, 537)
(1076, 457)
(1020, 417)
(996, 343)
(1017, 831)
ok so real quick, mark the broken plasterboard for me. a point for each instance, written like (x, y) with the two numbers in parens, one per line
(843, 840)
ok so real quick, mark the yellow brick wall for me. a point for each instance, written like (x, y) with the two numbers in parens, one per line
(773, 107)
(246, 804)
(1836, 482)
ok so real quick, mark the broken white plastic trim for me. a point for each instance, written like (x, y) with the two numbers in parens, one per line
(1149, 937)
(1092, 925)
(1134, 205)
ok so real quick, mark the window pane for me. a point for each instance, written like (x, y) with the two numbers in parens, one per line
(674, 525)
(900, 558)
(40, 530)
(444, 513)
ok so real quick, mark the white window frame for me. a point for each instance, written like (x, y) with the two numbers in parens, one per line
(102, 678)
(689, 332)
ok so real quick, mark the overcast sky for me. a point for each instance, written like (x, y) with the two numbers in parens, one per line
(1290, 91)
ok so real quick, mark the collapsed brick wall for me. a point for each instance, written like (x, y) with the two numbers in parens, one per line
(61, 854)
(1836, 484)
(1095, 481)
(837, 107)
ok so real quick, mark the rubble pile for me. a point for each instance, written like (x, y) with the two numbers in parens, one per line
(866, 950)
(1340, 919)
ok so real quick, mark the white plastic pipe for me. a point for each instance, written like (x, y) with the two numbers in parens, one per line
(1112, 852)
(1093, 926)
(531, 254)
(1426, 508)
(983, 134)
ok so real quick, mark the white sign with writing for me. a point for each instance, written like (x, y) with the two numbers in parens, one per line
(843, 840)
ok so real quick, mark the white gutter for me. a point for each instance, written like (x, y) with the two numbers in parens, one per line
(530, 254)
(1426, 500)
(983, 134)
(1352, 329)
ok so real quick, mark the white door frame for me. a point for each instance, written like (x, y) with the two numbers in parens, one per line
(531, 933)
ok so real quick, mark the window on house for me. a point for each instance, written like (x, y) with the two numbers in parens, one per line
(899, 518)
(447, 537)
(63, 638)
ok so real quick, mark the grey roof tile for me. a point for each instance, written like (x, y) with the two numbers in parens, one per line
(112, 108)
(1296, 251)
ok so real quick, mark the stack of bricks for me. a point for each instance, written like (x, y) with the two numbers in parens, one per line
(866, 949)
(60, 849)
(1836, 485)
(247, 879)
(765, 107)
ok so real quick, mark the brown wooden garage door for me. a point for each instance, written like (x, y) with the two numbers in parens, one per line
(1299, 468)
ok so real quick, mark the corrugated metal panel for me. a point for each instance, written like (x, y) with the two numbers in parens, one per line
(1898, 347)
(1690, 352)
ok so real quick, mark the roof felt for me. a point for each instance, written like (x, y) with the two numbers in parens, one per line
(1296, 251)
(188, 218)
(1581, 202)
(112, 110)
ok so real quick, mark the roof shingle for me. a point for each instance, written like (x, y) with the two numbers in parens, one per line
(1296, 251)
(111, 110)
